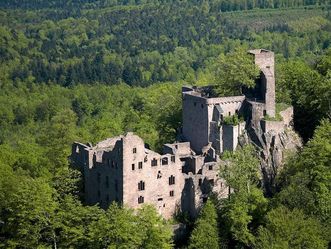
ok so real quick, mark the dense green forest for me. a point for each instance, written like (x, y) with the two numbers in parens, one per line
(87, 70)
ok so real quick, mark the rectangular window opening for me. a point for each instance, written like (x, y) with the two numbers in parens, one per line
(171, 180)
(140, 199)
(165, 161)
(154, 162)
(141, 185)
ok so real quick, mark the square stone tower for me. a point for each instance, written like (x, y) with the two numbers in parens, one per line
(264, 59)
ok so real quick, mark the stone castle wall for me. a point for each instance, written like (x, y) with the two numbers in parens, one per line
(155, 173)
(195, 121)
(121, 169)
(120, 165)
(264, 59)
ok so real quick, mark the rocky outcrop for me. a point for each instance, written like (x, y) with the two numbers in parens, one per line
(273, 146)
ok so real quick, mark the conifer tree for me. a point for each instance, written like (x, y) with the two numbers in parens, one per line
(205, 233)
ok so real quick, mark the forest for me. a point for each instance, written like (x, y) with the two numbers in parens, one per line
(85, 70)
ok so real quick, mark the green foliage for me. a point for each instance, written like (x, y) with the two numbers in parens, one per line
(277, 117)
(235, 70)
(121, 228)
(117, 227)
(232, 120)
(243, 212)
(156, 232)
(290, 229)
(205, 232)
(27, 210)
(241, 169)
(241, 215)
(73, 223)
(306, 179)
(75, 70)
(70, 45)
(310, 94)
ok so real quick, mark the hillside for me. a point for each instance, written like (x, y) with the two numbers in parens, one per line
(86, 70)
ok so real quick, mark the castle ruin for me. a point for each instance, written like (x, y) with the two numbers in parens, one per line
(122, 169)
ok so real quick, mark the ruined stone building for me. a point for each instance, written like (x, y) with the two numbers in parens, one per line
(122, 169)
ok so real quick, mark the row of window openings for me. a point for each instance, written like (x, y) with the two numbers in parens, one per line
(195, 104)
(140, 165)
(141, 199)
(141, 184)
(164, 161)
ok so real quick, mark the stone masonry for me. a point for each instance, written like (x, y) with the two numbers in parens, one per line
(122, 169)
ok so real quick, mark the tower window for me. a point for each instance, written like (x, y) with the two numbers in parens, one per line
(165, 161)
(172, 193)
(173, 159)
(140, 199)
(171, 180)
(210, 167)
(154, 162)
(134, 150)
(140, 165)
(141, 185)
(133, 166)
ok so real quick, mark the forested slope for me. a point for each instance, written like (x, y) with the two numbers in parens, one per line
(140, 45)
(88, 70)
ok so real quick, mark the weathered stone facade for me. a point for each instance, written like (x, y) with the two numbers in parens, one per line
(122, 169)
